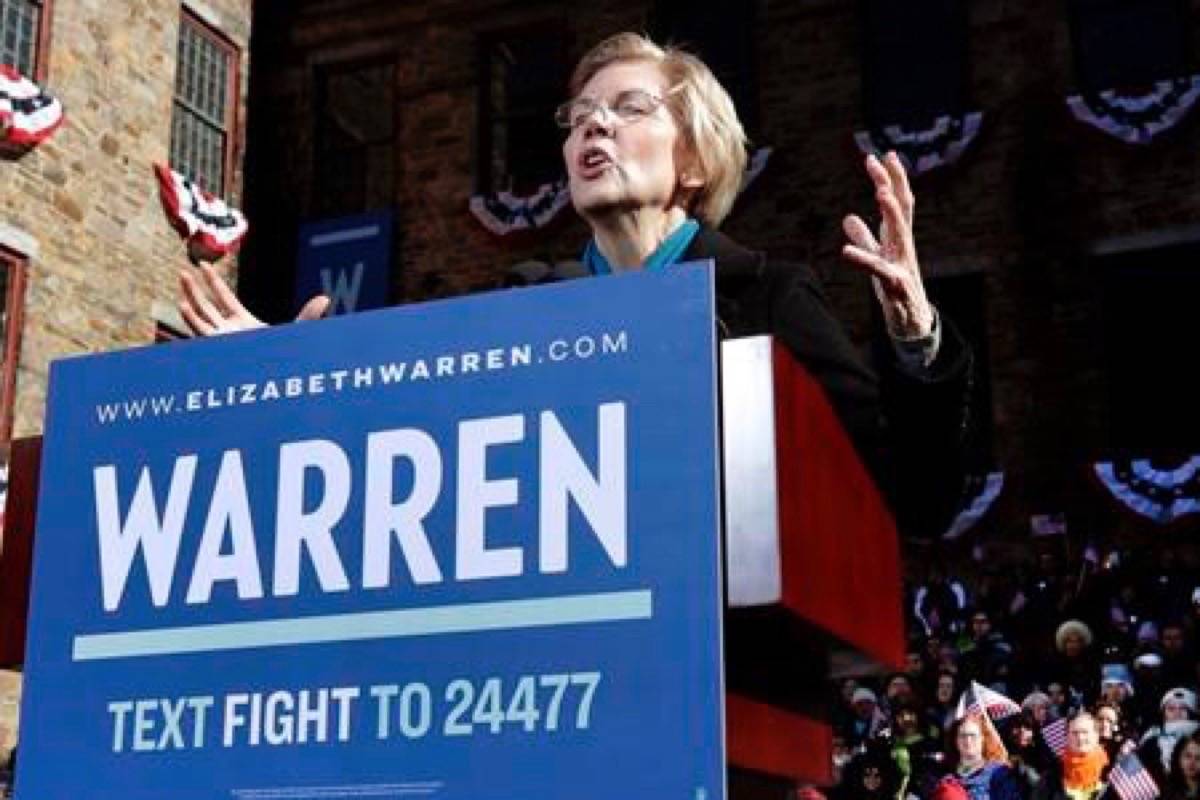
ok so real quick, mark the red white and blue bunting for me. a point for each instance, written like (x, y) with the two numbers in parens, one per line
(1136, 118)
(1161, 495)
(211, 228)
(28, 115)
(504, 213)
(980, 493)
(755, 166)
(923, 149)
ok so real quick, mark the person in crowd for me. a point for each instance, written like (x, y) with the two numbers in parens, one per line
(1112, 735)
(1041, 598)
(914, 660)
(898, 689)
(1074, 666)
(1148, 678)
(868, 719)
(1019, 733)
(843, 707)
(1116, 685)
(985, 651)
(1179, 658)
(1060, 699)
(1178, 720)
(1183, 778)
(979, 760)
(654, 155)
(940, 712)
(939, 604)
(915, 749)
(1040, 708)
(870, 775)
(949, 788)
(1080, 772)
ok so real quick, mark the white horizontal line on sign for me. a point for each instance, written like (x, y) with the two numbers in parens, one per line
(466, 618)
(348, 235)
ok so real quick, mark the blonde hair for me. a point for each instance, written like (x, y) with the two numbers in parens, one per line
(712, 132)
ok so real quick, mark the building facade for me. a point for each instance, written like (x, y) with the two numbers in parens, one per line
(89, 261)
(1061, 248)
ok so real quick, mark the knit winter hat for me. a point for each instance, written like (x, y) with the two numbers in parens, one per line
(1180, 695)
(1118, 674)
(863, 694)
(1067, 628)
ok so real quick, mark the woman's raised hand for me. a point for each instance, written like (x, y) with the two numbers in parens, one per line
(209, 306)
(891, 257)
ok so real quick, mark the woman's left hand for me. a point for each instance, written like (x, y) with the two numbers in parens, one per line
(891, 259)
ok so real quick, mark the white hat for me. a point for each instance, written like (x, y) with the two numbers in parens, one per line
(1180, 695)
(1148, 660)
(863, 694)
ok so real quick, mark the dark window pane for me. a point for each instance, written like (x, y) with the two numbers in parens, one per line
(721, 33)
(522, 80)
(1149, 325)
(1128, 43)
(19, 21)
(914, 60)
(199, 127)
(355, 139)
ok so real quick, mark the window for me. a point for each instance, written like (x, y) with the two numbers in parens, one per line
(355, 139)
(205, 99)
(12, 293)
(24, 31)
(1149, 332)
(1122, 44)
(522, 79)
(914, 60)
(721, 33)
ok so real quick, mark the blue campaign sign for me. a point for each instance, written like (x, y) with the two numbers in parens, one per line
(348, 259)
(465, 550)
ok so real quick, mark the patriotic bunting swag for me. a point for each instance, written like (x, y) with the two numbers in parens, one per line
(755, 166)
(28, 115)
(923, 149)
(1162, 495)
(211, 228)
(980, 492)
(1138, 118)
(503, 213)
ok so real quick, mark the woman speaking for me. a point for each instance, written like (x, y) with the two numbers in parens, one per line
(654, 156)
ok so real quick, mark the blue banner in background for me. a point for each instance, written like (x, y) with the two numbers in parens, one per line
(349, 259)
(466, 550)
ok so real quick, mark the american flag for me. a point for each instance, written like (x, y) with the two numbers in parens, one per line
(1131, 781)
(978, 699)
(1055, 736)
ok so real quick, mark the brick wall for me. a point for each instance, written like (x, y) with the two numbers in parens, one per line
(83, 207)
(1030, 201)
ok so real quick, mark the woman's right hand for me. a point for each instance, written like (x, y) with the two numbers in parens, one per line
(209, 306)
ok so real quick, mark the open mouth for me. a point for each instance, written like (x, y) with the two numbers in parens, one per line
(593, 162)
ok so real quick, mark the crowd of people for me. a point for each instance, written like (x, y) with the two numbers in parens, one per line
(1067, 683)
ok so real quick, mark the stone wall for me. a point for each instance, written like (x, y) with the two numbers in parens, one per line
(83, 206)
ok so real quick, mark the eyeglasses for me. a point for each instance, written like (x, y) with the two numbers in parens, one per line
(628, 107)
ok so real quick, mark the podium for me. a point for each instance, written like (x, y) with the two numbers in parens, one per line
(812, 565)
(811, 555)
